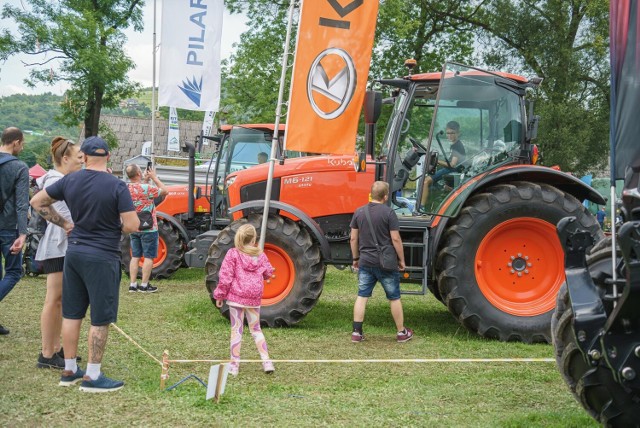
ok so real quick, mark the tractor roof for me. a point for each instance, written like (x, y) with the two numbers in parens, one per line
(436, 76)
(259, 126)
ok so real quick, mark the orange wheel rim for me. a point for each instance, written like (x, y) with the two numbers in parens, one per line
(276, 289)
(519, 266)
(161, 257)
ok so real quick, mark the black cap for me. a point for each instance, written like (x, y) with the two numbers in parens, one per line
(95, 146)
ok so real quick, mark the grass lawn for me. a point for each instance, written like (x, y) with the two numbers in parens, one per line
(182, 319)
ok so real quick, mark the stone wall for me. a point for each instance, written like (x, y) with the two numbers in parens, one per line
(132, 132)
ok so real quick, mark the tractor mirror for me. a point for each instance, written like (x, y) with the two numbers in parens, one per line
(372, 106)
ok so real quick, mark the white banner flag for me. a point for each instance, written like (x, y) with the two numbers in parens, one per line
(207, 125)
(173, 137)
(190, 54)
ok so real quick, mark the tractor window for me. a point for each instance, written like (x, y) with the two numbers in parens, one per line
(476, 127)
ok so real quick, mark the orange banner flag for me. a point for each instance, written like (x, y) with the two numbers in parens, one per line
(333, 52)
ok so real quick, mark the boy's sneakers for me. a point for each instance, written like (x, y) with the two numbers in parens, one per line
(404, 336)
(148, 289)
(133, 288)
(69, 378)
(357, 337)
(102, 384)
(268, 368)
(55, 362)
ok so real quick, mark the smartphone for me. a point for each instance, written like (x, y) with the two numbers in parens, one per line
(149, 165)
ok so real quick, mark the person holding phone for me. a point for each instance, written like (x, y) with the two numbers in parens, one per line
(144, 242)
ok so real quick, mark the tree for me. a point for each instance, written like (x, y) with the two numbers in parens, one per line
(406, 29)
(566, 43)
(86, 38)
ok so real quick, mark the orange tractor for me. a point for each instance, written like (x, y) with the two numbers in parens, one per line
(236, 148)
(482, 239)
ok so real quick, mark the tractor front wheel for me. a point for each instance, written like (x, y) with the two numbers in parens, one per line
(299, 271)
(170, 252)
(501, 263)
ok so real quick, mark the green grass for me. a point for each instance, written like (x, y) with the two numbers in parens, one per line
(181, 319)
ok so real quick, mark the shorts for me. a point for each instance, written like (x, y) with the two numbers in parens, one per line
(91, 280)
(369, 276)
(52, 265)
(144, 244)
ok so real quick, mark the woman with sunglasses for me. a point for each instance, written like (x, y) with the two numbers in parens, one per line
(67, 158)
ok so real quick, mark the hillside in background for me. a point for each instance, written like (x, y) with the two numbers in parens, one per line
(36, 115)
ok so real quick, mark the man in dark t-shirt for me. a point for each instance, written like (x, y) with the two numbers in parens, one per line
(101, 209)
(456, 156)
(382, 222)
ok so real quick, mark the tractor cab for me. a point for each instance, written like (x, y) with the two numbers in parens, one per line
(240, 148)
(445, 130)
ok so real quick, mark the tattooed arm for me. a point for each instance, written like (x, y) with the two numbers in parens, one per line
(42, 203)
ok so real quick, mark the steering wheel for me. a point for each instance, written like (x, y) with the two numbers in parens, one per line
(444, 154)
(419, 147)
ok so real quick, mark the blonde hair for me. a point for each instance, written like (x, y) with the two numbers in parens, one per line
(379, 190)
(245, 236)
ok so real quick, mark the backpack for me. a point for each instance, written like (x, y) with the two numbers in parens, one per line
(4, 160)
(36, 227)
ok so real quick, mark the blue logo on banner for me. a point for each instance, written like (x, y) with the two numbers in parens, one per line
(192, 89)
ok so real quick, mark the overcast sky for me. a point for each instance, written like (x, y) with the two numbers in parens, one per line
(138, 47)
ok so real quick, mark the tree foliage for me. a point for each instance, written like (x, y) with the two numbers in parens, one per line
(35, 116)
(86, 39)
(565, 42)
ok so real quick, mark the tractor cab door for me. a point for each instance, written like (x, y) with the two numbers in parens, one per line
(451, 133)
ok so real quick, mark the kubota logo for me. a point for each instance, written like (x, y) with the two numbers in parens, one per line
(331, 83)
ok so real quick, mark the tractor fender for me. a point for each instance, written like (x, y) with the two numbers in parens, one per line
(176, 223)
(311, 224)
(532, 173)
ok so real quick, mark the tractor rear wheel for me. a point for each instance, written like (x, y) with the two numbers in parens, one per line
(299, 271)
(593, 386)
(170, 252)
(501, 263)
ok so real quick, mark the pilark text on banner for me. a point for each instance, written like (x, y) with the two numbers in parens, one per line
(173, 136)
(190, 54)
(330, 73)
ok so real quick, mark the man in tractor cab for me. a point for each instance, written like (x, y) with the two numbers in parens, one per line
(456, 156)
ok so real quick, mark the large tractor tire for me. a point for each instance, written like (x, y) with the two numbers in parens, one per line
(170, 252)
(594, 387)
(299, 270)
(500, 265)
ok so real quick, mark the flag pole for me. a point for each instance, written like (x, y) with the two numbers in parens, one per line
(153, 91)
(274, 140)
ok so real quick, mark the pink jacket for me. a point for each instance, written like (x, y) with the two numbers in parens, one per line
(241, 278)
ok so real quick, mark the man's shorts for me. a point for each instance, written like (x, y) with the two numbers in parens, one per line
(369, 276)
(91, 280)
(144, 244)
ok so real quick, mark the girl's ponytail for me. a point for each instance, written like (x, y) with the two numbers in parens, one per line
(245, 236)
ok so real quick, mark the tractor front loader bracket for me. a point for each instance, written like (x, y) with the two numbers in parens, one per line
(588, 309)
(621, 338)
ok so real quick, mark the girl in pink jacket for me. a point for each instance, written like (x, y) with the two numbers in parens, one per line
(240, 283)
